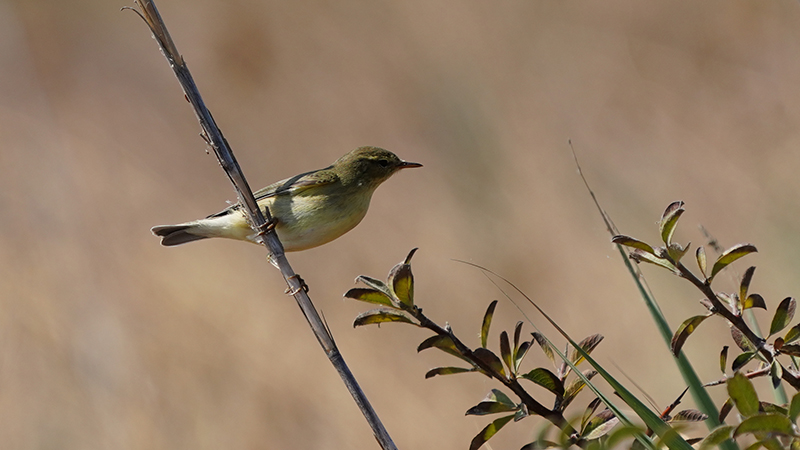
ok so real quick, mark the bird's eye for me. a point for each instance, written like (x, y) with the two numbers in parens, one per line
(383, 163)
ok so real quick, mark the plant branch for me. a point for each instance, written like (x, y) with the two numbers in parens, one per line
(261, 222)
(764, 371)
(720, 309)
(511, 383)
(736, 321)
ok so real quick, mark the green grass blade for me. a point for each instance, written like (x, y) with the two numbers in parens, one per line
(667, 434)
(640, 436)
(696, 389)
(698, 392)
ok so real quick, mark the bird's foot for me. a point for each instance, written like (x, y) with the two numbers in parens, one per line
(303, 286)
(267, 226)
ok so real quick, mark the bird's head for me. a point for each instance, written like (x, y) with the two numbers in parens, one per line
(369, 166)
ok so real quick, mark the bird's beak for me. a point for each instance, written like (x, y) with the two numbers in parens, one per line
(408, 165)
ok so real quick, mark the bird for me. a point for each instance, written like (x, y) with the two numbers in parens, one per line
(308, 210)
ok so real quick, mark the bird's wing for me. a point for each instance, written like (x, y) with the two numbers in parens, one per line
(294, 184)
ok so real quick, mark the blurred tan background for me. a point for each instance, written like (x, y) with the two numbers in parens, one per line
(110, 341)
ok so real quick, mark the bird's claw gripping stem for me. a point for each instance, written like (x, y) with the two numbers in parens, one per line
(303, 285)
(268, 226)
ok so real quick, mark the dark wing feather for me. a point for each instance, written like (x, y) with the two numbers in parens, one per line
(293, 184)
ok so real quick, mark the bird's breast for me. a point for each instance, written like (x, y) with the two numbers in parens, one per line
(306, 221)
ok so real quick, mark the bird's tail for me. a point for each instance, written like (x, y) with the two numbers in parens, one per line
(177, 234)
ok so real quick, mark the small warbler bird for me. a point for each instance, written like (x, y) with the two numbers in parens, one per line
(309, 209)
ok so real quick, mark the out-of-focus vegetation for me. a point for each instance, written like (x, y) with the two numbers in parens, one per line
(108, 340)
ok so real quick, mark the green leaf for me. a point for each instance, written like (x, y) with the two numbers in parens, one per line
(440, 341)
(488, 432)
(573, 389)
(672, 439)
(487, 321)
(676, 251)
(542, 341)
(496, 395)
(521, 413)
(600, 425)
(587, 414)
(765, 423)
(402, 281)
(702, 263)
(520, 349)
(410, 255)
(640, 256)
(775, 373)
(369, 296)
(772, 443)
(754, 446)
(723, 359)
(446, 371)
(754, 301)
(517, 334)
(622, 433)
(490, 359)
(743, 393)
(771, 408)
(791, 349)
(741, 360)
(545, 379)
(794, 407)
(505, 352)
(783, 315)
(726, 409)
(376, 284)
(717, 436)
(669, 220)
(741, 340)
(381, 315)
(792, 335)
(588, 344)
(682, 333)
(540, 444)
(443, 343)
(730, 255)
(744, 286)
(521, 352)
(628, 241)
(484, 408)
(700, 393)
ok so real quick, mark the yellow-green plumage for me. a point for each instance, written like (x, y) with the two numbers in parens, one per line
(310, 209)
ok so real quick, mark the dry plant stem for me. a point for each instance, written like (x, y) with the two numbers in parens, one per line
(750, 375)
(534, 406)
(736, 321)
(261, 222)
